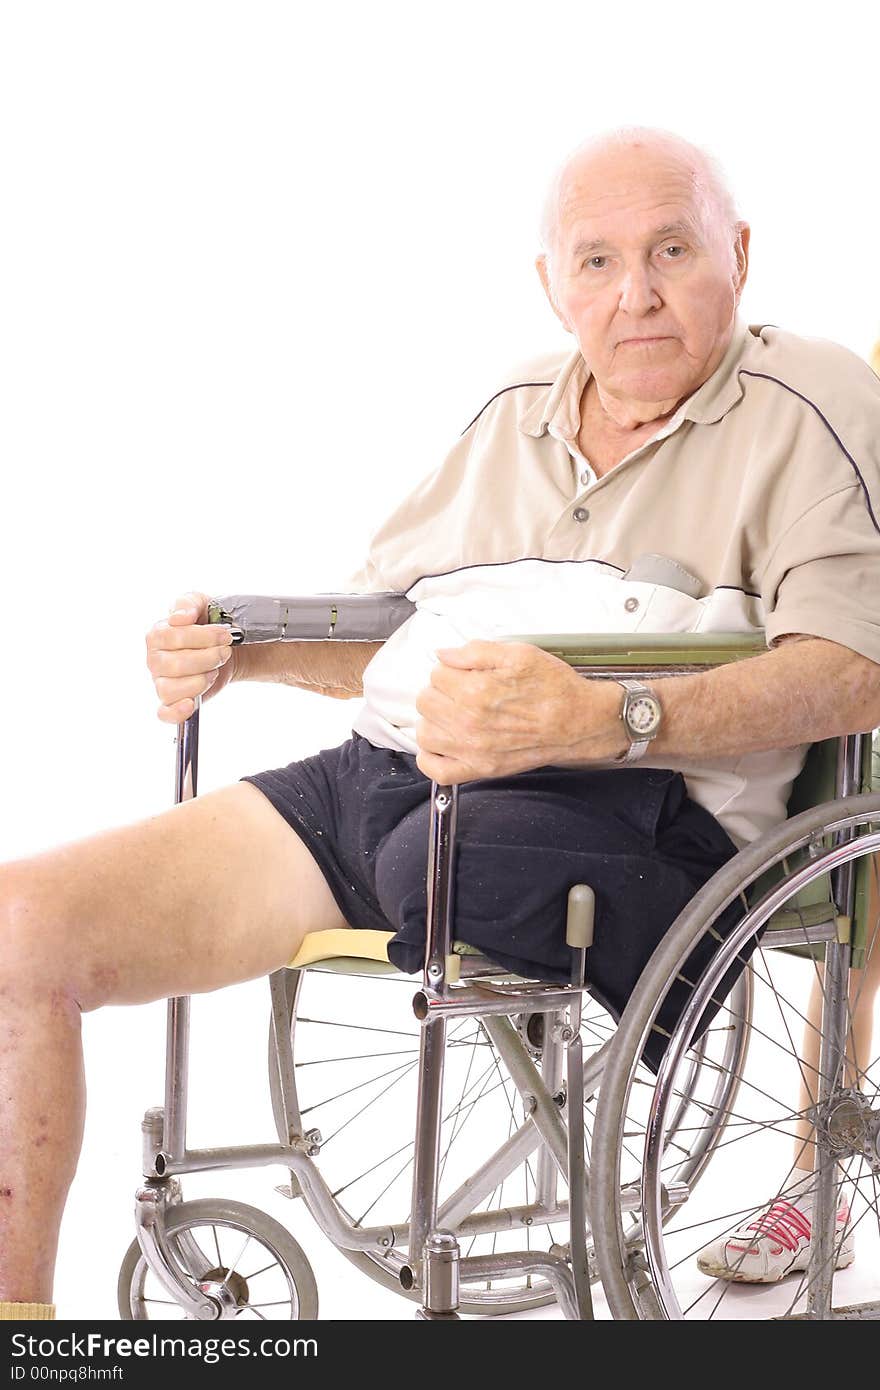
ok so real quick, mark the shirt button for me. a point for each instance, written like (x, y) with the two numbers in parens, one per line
(631, 605)
(580, 514)
(585, 478)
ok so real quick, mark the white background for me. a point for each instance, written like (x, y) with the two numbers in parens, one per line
(261, 263)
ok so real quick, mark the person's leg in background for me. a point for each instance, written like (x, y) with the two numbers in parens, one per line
(775, 1242)
(860, 1049)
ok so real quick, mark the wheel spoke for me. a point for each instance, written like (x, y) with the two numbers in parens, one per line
(355, 1057)
(758, 1126)
(358, 1027)
(455, 1126)
(487, 1074)
(257, 1272)
(231, 1270)
(398, 1072)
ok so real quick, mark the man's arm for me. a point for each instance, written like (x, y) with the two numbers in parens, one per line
(327, 668)
(495, 708)
(190, 659)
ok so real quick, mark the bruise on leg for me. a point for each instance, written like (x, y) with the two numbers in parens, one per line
(98, 988)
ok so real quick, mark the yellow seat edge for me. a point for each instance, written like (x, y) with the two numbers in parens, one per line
(361, 943)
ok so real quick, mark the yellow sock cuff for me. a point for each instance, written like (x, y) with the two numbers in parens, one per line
(27, 1312)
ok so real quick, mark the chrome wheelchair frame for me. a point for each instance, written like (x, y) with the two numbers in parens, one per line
(608, 1222)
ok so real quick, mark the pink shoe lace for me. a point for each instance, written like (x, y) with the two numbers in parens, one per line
(784, 1223)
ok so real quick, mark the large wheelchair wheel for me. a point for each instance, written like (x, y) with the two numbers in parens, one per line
(356, 1050)
(765, 1131)
(248, 1262)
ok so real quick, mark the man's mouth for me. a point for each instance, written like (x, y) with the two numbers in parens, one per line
(630, 342)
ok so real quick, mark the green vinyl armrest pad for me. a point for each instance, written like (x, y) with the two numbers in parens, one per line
(648, 648)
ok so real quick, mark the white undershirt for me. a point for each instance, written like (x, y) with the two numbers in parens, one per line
(586, 474)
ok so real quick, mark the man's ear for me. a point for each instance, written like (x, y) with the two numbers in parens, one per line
(543, 269)
(741, 257)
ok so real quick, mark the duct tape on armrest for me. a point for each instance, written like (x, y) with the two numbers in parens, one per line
(312, 618)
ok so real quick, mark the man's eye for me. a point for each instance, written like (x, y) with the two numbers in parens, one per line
(675, 253)
(597, 262)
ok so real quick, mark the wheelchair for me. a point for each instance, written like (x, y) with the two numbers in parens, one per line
(546, 1153)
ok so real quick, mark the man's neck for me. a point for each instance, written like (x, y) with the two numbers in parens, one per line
(624, 417)
(604, 440)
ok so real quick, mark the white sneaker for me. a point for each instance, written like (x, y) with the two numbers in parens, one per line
(777, 1242)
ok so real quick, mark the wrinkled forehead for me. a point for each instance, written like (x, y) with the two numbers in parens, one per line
(630, 193)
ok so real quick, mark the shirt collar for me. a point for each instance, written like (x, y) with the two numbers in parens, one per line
(559, 406)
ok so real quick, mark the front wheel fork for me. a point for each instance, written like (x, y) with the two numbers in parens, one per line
(151, 1202)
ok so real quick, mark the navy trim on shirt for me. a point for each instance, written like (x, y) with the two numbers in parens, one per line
(831, 430)
(517, 387)
(497, 564)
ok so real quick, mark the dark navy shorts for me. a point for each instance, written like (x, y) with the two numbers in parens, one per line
(633, 834)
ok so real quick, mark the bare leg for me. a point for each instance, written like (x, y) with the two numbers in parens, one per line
(215, 891)
(864, 985)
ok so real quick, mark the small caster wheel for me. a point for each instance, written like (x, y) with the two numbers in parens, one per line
(236, 1255)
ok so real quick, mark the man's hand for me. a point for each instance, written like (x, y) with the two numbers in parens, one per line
(496, 708)
(188, 657)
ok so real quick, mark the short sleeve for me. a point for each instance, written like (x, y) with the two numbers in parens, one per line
(823, 576)
(423, 535)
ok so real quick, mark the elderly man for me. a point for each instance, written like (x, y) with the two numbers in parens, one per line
(675, 470)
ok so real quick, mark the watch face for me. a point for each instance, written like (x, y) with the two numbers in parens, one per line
(643, 715)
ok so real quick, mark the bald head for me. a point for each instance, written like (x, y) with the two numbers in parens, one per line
(598, 161)
(644, 262)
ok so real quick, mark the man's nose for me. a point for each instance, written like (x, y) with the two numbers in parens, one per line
(638, 292)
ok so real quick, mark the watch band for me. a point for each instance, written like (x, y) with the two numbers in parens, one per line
(635, 751)
(638, 746)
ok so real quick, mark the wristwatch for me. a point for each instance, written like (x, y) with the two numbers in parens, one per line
(641, 713)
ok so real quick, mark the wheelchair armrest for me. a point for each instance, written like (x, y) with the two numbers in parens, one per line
(373, 618)
(675, 653)
(313, 618)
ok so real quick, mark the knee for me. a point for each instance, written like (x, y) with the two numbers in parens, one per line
(32, 958)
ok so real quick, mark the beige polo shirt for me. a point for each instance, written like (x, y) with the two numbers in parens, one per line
(764, 488)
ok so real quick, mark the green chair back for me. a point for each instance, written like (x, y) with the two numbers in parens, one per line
(816, 784)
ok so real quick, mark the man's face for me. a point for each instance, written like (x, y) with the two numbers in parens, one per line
(644, 273)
